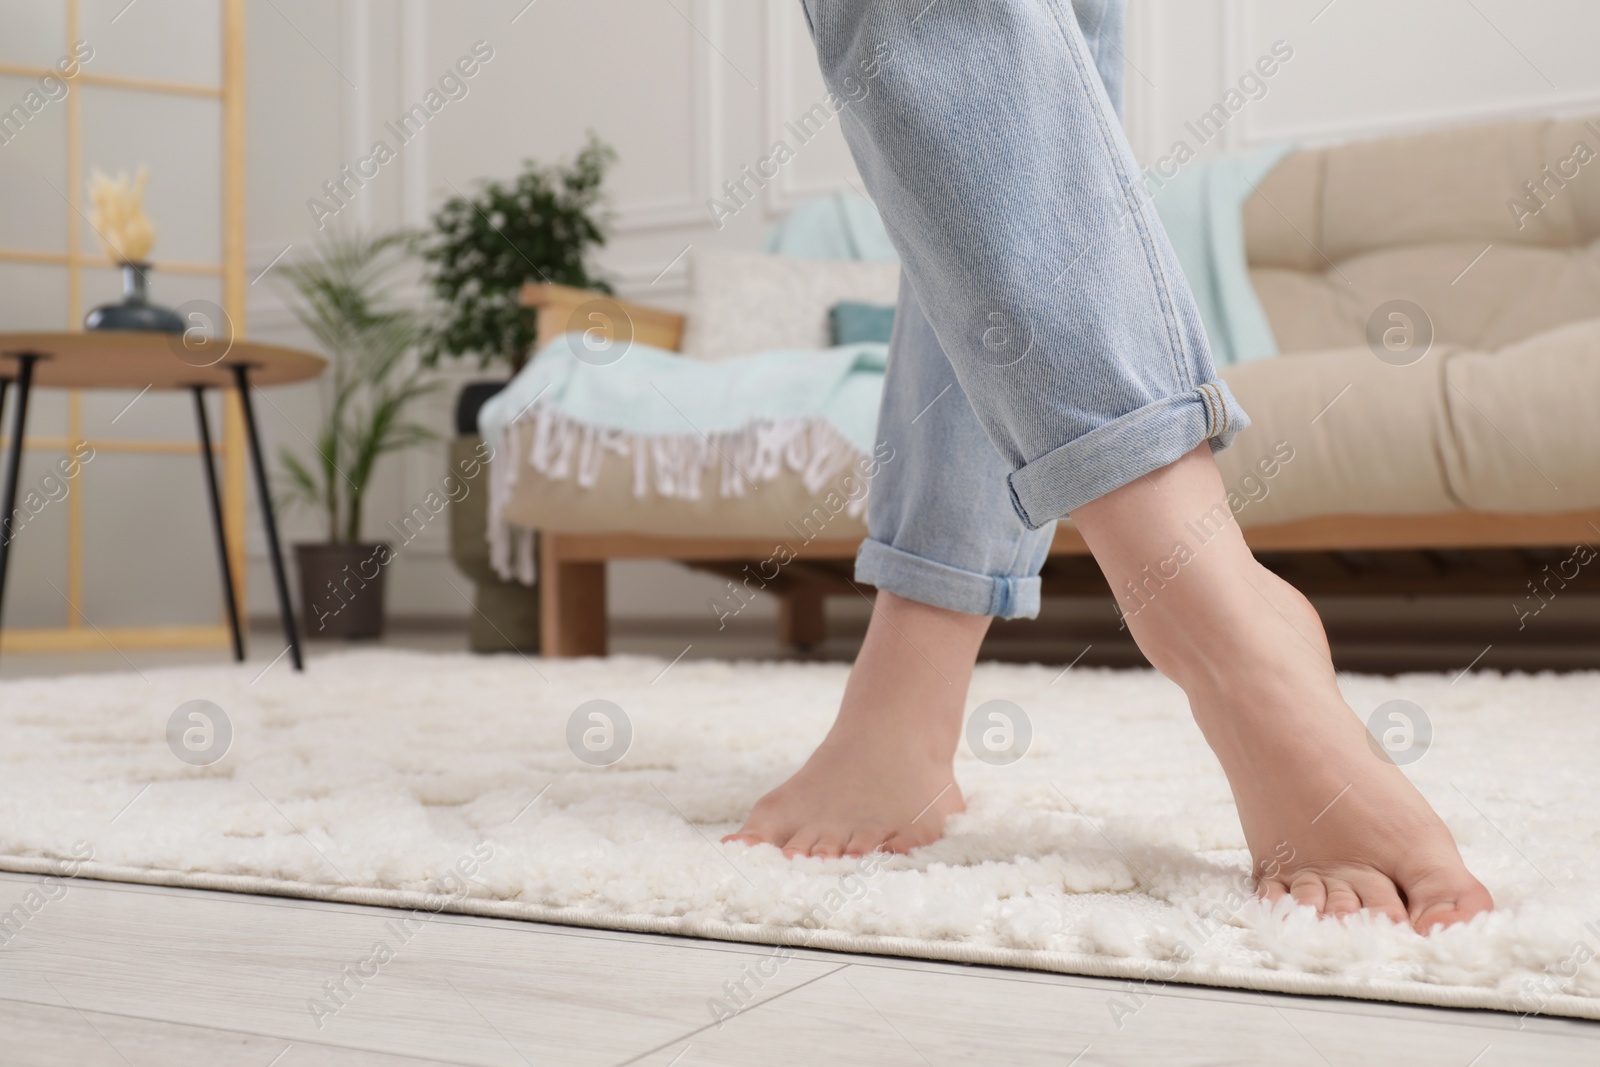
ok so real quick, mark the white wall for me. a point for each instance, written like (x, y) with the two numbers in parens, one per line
(688, 91)
(1360, 68)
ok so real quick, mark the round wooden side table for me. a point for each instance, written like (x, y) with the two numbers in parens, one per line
(104, 359)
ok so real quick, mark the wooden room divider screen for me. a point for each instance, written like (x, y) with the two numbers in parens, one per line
(78, 633)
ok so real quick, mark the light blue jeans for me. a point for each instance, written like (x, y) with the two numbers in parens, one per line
(1046, 349)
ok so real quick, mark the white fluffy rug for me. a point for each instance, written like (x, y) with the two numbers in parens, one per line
(1110, 849)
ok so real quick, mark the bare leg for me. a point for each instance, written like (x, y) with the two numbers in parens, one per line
(1247, 649)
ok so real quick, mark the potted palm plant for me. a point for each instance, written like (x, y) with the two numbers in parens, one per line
(345, 296)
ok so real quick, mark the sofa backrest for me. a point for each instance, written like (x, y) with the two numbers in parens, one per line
(1334, 233)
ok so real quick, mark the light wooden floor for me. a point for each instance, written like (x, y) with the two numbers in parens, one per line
(132, 975)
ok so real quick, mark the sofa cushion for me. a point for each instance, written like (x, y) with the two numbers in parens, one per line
(1518, 292)
(854, 323)
(1309, 312)
(742, 303)
(1491, 228)
(1439, 186)
(1511, 293)
(1524, 436)
(1283, 220)
(1364, 436)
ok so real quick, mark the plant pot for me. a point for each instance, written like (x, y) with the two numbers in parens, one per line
(341, 588)
(470, 400)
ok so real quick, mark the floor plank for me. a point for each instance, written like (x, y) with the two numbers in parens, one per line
(41, 1035)
(453, 991)
(894, 1016)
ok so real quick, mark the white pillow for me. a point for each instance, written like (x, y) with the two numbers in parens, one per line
(741, 303)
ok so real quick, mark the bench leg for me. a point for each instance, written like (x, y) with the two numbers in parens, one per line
(801, 620)
(572, 603)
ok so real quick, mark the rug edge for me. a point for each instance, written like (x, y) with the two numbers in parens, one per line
(1159, 972)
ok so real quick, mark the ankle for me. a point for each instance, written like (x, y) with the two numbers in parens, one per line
(1238, 643)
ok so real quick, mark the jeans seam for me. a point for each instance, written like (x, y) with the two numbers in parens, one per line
(1009, 578)
(1222, 409)
(1157, 274)
(1211, 413)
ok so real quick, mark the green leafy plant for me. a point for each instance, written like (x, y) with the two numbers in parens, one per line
(540, 227)
(345, 296)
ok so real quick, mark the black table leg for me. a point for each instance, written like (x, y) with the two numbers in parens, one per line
(19, 427)
(241, 377)
(215, 498)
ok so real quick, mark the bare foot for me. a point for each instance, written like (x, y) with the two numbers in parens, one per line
(1329, 822)
(885, 775)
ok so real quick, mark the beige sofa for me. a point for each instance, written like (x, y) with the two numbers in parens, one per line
(1433, 467)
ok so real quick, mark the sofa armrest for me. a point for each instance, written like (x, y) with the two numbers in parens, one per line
(557, 306)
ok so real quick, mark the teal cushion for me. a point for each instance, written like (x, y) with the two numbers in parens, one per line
(852, 324)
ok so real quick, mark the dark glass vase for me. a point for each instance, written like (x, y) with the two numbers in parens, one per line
(135, 312)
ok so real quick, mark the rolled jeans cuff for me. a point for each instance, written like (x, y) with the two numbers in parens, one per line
(1128, 447)
(943, 586)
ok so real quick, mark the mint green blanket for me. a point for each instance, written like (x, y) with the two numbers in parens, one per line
(654, 392)
(1201, 208)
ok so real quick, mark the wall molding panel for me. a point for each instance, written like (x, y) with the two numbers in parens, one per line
(781, 25)
(705, 120)
(413, 80)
